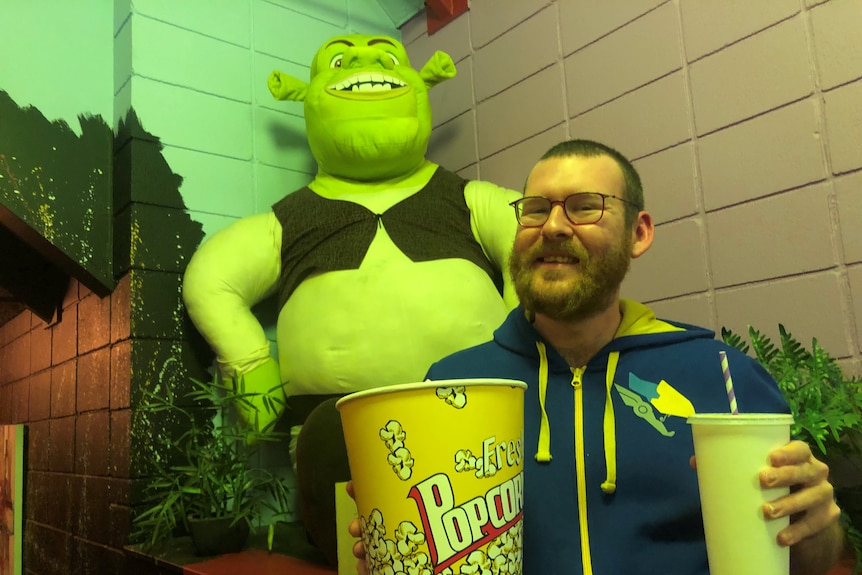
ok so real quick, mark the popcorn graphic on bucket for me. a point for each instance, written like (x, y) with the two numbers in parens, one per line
(437, 469)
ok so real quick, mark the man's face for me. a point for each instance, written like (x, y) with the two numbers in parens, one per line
(569, 272)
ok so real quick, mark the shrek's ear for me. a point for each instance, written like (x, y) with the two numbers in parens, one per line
(438, 68)
(284, 87)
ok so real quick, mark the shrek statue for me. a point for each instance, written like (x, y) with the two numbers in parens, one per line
(383, 264)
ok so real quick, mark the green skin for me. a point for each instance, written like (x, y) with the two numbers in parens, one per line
(385, 322)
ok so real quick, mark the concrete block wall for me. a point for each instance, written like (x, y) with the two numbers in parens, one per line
(744, 119)
(195, 72)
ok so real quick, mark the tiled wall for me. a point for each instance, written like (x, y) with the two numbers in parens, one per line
(195, 73)
(744, 119)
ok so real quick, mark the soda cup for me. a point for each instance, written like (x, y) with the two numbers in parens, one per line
(731, 450)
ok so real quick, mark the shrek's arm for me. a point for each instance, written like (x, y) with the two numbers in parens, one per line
(493, 222)
(229, 273)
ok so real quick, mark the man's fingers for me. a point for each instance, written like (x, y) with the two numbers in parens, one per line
(808, 472)
(811, 522)
(349, 488)
(355, 528)
(816, 499)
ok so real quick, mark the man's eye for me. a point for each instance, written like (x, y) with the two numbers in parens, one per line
(394, 58)
(336, 61)
(584, 205)
(534, 208)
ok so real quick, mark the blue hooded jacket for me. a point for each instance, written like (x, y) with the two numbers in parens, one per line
(608, 488)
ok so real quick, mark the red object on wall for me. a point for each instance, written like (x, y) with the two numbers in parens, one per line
(441, 12)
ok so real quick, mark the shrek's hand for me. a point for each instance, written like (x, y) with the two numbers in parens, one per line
(262, 394)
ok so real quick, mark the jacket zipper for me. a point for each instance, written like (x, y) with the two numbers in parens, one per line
(580, 468)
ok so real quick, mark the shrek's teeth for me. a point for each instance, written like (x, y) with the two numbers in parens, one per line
(368, 82)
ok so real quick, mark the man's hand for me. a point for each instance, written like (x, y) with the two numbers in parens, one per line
(358, 547)
(814, 532)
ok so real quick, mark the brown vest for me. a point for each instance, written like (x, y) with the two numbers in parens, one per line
(320, 235)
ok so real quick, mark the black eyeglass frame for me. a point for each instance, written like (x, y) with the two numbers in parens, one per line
(552, 203)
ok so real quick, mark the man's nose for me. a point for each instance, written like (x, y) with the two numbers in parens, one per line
(364, 56)
(558, 223)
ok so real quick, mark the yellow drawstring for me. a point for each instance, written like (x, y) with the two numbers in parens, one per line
(543, 452)
(610, 483)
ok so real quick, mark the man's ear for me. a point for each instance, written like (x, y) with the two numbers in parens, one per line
(284, 87)
(642, 234)
(438, 68)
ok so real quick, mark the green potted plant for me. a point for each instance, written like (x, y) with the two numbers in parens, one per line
(827, 410)
(204, 473)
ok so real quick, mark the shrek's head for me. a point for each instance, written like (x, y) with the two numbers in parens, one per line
(366, 109)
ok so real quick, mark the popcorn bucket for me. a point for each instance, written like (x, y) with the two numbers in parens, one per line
(437, 469)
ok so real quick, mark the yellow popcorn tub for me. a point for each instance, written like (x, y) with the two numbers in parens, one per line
(437, 469)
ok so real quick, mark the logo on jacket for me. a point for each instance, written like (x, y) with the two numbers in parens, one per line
(654, 402)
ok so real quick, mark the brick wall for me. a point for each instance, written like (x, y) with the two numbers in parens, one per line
(742, 117)
(68, 381)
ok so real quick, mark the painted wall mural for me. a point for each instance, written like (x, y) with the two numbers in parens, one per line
(59, 185)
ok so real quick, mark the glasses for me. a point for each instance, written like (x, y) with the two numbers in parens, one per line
(581, 208)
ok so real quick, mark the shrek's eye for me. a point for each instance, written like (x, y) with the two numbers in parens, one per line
(336, 61)
(394, 58)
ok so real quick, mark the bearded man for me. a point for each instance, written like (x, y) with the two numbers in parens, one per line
(608, 484)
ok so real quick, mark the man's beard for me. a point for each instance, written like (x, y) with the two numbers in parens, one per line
(574, 298)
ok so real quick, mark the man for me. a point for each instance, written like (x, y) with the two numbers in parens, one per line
(616, 494)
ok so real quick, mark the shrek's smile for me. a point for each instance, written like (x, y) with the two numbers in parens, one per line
(366, 84)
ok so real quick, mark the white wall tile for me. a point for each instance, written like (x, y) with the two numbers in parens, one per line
(227, 20)
(453, 144)
(370, 17)
(761, 240)
(647, 120)
(280, 140)
(808, 306)
(854, 274)
(416, 27)
(453, 39)
(528, 108)
(773, 152)
(522, 51)
(276, 30)
(189, 119)
(848, 192)
(213, 184)
(675, 265)
(844, 127)
(634, 55)
(584, 21)
(273, 183)
(123, 56)
(668, 180)
(490, 18)
(692, 309)
(331, 11)
(758, 74)
(708, 26)
(452, 97)
(510, 167)
(837, 41)
(207, 64)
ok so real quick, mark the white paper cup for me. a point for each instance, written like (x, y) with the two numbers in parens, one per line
(731, 450)
(437, 471)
